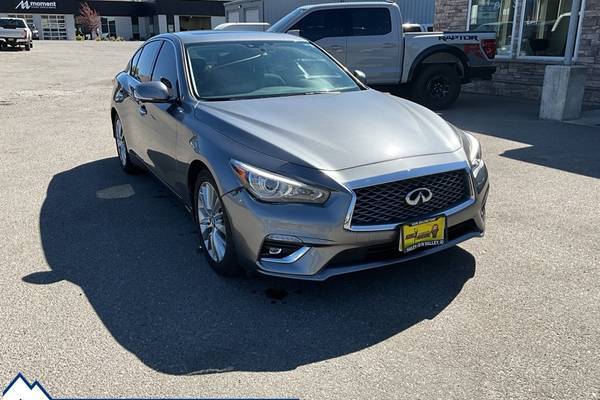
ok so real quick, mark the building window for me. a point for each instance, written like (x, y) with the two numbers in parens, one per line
(497, 16)
(109, 26)
(545, 27)
(194, 23)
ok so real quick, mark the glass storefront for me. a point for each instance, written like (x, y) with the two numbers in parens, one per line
(542, 31)
(545, 27)
(497, 16)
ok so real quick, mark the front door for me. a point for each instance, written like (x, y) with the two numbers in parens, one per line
(327, 29)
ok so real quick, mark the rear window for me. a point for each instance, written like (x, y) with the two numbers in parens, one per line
(9, 23)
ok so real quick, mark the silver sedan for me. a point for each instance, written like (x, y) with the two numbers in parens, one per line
(290, 165)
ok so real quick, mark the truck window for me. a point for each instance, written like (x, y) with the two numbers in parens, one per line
(321, 24)
(370, 21)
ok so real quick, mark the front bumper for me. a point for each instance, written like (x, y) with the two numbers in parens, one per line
(13, 41)
(328, 248)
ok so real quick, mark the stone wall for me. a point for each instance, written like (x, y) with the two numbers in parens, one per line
(525, 78)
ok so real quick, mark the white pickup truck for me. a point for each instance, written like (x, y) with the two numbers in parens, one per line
(15, 32)
(368, 37)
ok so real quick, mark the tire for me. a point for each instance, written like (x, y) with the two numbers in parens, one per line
(27, 47)
(437, 86)
(31, 44)
(214, 229)
(122, 151)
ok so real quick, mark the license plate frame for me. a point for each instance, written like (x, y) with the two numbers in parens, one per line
(429, 236)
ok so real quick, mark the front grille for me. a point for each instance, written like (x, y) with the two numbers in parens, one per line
(386, 203)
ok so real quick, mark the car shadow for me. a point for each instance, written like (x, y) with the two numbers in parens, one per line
(133, 250)
(558, 145)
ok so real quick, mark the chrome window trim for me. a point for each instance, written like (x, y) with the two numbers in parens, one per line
(399, 176)
(292, 258)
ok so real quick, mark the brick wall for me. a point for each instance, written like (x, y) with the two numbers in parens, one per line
(525, 79)
(451, 15)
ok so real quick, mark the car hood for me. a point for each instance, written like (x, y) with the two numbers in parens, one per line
(335, 131)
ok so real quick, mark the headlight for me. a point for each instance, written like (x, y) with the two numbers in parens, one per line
(472, 149)
(267, 186)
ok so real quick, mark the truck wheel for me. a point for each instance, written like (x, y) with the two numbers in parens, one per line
(437, 87)
(27, 47)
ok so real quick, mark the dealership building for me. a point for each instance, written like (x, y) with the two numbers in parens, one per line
(129, 19)
(532, 34)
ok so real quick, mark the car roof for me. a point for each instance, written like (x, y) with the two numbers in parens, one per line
(231, 36)
(354, 4)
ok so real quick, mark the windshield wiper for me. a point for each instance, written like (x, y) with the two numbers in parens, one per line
(322, 92)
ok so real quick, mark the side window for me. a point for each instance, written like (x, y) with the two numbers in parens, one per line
(321, 24)
(370, 21)
(166, 68)
(133, 64)
(145, 64)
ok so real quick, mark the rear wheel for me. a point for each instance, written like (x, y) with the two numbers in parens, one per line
(214, 227)
(437, 86)
(122, 150)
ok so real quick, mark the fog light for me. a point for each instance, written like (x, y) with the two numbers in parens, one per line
(280, 246)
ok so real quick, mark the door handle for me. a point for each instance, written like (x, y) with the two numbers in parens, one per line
(142, 110)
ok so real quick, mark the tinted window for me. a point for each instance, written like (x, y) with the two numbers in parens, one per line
(166, 68)
(370, 21)
(133, 64)
(145, 64)
(321, 24)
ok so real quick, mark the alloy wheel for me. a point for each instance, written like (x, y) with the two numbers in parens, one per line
(439, 87)
(211, 221)
(121, 145)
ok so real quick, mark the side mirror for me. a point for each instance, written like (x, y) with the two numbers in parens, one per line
(152, 92)
(361, 76)
(294, 32)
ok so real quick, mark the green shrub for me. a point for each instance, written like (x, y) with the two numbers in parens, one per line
(98, 39)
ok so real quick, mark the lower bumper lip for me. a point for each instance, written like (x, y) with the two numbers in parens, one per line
(327, 273)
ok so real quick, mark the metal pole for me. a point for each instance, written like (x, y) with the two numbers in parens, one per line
(572, 35)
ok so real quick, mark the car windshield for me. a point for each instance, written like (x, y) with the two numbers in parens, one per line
(227, 70)
(9, 23)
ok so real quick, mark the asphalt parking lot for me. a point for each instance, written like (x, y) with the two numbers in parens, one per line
(104, 293)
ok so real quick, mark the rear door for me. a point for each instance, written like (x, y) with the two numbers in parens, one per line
(374, 44)
(327, 29)
(161, 132)
(137, 132)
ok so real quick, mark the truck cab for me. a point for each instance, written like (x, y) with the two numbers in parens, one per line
(369, 36)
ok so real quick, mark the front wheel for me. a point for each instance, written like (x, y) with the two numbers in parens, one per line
(27, 47)
(437, 87)
(215, 229)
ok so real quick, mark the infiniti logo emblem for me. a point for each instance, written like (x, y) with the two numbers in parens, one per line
(418, 196)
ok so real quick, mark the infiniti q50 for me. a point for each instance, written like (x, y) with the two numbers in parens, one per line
(290, 165)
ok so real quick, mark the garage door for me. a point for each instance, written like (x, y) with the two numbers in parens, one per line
(54, 27)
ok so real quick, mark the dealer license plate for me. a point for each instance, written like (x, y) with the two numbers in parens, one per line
(430, 232)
